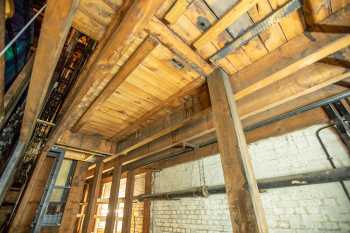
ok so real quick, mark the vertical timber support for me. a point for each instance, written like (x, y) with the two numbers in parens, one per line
(247, 214)
(56, 24)
(2, 58)
(113, 197)
(129, 193)
(147, 203)
(32, 195)
(90, 211)
(73, 201)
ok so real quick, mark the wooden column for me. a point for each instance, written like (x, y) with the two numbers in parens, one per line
(113, 197)
(147, 203)
(31, 198)
(247, 214)
(73, 201)
(129, 193)
(90, 211)
(2, 59)
(56, 24)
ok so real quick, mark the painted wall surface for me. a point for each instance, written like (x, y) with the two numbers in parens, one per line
(320, 208)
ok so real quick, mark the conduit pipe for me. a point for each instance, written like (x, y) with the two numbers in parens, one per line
(317, 177)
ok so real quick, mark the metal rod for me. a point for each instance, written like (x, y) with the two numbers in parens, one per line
(22, 30)
(258, 28)
(330, 158)
(317, 177)
(297, 111)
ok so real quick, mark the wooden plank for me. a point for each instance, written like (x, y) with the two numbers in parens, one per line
(129, 193)
(86, 143)
(54, 30)
(176, 115)
(72, 206)
(147, 204)
(178, 46)
(229, 18)
(303, 82)
(16, 90)
(268, 29)
(2, 59)
(176, 11)
(113, 197)
(132, 63)
(56, 24)
(246, 211)
(292, 56)
(88, 26)
(306, 119)
(105, 62)
(293, 104)
(32, 195)
(89, 220)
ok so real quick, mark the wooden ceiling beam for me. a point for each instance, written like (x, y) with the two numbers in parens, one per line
(16, 90)
(306, 49)
(316, 116)
(305, 82)
(179, 47)
(101, 69)
(84, 143)
(161, 127)
(301, 83)
(195, 99)
(227, 20)
(130, 65)
(176, 11)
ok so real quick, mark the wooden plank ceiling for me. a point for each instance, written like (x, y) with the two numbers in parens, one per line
(170, 57)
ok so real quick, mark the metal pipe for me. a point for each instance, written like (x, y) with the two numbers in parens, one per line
(299, 110)
(330, 158)
(317, 177)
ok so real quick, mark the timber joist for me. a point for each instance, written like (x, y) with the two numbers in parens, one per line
(144, 85)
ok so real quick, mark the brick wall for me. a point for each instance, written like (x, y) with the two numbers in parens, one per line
(318, 208)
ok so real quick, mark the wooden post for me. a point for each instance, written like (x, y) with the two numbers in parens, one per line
(32, 195)
(147, 203)
(90, 212)
(247, 214)
(80, 223)
(2, 59)
(73, 201)
(129, 193)
(54, 29)
(113, 197)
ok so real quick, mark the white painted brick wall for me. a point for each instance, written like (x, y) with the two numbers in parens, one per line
(320, 208)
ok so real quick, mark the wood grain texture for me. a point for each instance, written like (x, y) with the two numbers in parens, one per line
(229, 18)
(292, 56)
(246, 211)
(89, 220)
(32, 195)
(122, 39)
(55, 27)
(113, 197)
(131, 64)
(72, 206)
(146, 224)
(129, 193)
